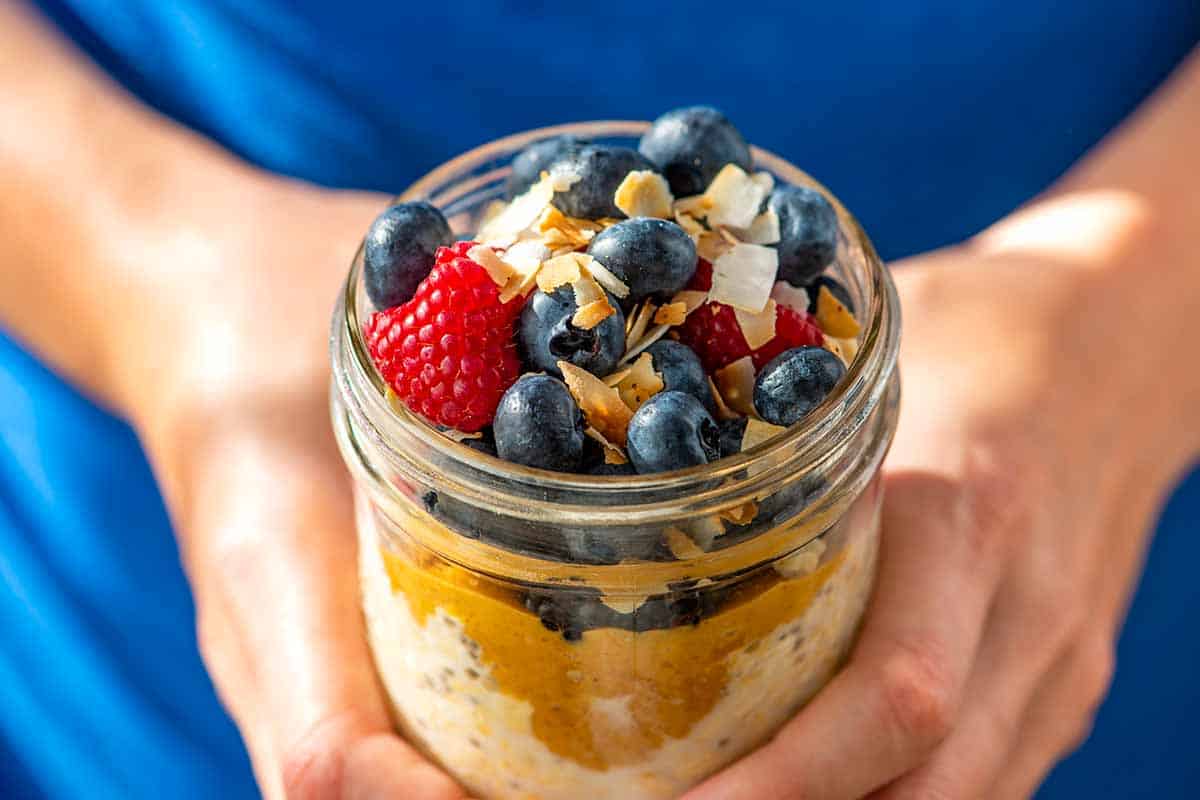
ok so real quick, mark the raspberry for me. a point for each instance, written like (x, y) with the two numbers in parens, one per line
(713, 332)
(449, 352)
(702, 278)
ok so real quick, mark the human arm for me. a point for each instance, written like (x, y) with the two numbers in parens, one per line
(191, 293)
(1051, 399)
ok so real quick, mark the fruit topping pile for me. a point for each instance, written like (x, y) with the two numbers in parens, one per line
(621, 311)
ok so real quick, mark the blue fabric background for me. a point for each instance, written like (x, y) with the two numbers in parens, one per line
(929, 118)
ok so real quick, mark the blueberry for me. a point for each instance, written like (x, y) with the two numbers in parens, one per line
(681, 371)
(484, 443)
(690, 145)
(835, 288)
(538, 424)
(808, 233)
(399, 249)
(600, 170)
(732, 431)
(545, 335)
(651, 256)
(528, 165)
(672, 431)
(795, 382)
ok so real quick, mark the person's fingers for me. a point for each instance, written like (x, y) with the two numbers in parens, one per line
(897, 698)
(272, 555)
(1059, 718)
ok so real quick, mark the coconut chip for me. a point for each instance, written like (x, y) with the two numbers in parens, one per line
(711, 245)
(763, 230)
(612, 453)
(723, 411)
(736, 382)
(644, 194)
(793, 297)
(764, 179)
(757, 329)
(802, 562)
(671, 314)
(744, 276)
(559, 271)
(497, 268)
(833, 316)
(601, 405)
(696, 206)
(691, 299)
(641, 383)
(681, 545)
(704, 530)
(616, 377)
(592, 314)
(758, 432)
(849, 349)
(734, 197)
(636, 325)
(459, 436)
(606, 279)
(520, 215)
(652, 336)
(740, 514)
(834, 346)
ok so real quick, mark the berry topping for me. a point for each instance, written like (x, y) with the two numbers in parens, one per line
(448, 353)
(713, 332)
(596, 171)
(690, 145)
(650, 256)
(795, 383)
(681, 371)
(538, 424)
(399, 250)
(547, 335)
(732, 431)
(672, 431)
(808, 233)
(528, 165)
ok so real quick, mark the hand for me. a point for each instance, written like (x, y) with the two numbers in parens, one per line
(1041, 425)
(233, 407)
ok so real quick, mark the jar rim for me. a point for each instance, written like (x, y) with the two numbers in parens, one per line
(802, 446)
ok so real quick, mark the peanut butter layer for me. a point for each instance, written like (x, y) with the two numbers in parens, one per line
(615, 695)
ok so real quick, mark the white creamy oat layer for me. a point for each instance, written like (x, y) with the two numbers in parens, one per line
(447, 703)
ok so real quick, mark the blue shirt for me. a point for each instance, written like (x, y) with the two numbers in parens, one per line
(929, 118)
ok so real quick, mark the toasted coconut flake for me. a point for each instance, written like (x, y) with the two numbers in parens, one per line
(641, 383)
(589, 316)
(696, 206)
(671, 314)
(606, 279)
(765, 180)
(691, 299)
(711, 245)
(723, 410)
(802, 562)
(520, 215)
(497, 268)
(744, 276)
(736, 382)
(849, 349)
(612, 453)
(734, 198)
(490, 212)
(526, 256)
(834, 346)
(562, 179)
(459, 436)
(652, 336)
(558, 271)
(833, 316)
(758, 432)
(741, 514)
(704, 531)
(641, 321)
(763, 230)
(616, 377)
(690, 224)
(681, 545)
(601, 405)
(757, 329)
(793, 297)
(518, 285)
(644, 194)
(587, 290)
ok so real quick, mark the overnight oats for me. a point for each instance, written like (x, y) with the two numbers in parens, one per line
(614, 396)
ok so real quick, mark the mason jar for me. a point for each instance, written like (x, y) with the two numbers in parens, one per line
(556, 636)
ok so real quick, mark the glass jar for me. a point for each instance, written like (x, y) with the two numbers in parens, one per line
(547, 635)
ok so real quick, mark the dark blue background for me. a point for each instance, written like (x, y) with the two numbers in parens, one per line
(929, 118)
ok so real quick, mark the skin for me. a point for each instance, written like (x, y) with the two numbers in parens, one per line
(1049, 407)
